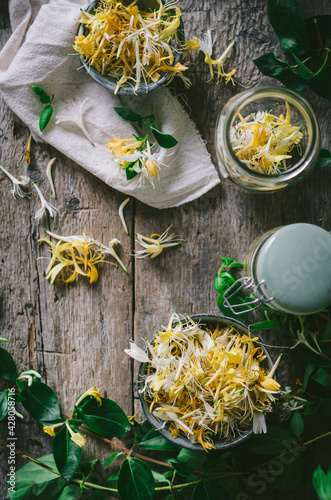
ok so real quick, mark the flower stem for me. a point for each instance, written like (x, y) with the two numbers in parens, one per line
(126, 450)
(21, 454)
(317, 438)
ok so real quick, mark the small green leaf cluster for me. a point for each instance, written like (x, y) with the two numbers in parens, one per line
(48, 109)
(166, 141)
(308, 39)
(223, 281)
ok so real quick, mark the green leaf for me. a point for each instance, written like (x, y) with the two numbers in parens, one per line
(130, 174)
(227, 311)
(43, 97)
(271, 443)
(165, 140)
(293, 474)
(159, 478)
(319, 27)
(297, 425)
(192, 458)
(324, 160)
(141, 429)
(3, 404)
(154, 441)
(110, 459)
(269, 65)
(8, 369)
(321, 83)
(323, 377)
(33, 481)
(308, 371)
(223, 282)
(322, 483)
(135, 481)
(184, 470)
(112, 480)
(45, 117)
(305, 72)
(41, 402)
(287, 20)
(107, 419)
(67, 454)
(209, 490)
(271, 324)
(70, 492)
(236, 264)
(128, 114)
(227, 261)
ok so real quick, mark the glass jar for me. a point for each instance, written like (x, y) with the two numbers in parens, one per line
(289, 268)
(272, 100)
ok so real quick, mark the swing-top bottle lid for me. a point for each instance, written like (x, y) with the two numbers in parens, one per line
(295, 264)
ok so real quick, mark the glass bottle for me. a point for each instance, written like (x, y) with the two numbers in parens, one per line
(272, 100)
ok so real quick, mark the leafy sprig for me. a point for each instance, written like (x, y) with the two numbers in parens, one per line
(48, 109)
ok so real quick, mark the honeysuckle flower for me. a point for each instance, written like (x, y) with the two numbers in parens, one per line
(44, 205)
(94, 392)
(29, 374)
(118, 148)
(49, 429)
(76, 437)
(28, 151)
(79, 254)
(206, 45)
(73, 113)
(137, 353)
(154, 245)
(121, 214)
(259, 423)
(49, 176)
(17, 185)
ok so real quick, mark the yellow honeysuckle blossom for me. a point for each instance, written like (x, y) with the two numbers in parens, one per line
(206, 45)
(76, 437)
(94, 392)
(117, 147)
(49, 429)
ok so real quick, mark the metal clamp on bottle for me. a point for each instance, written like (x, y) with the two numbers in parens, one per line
(246, 284)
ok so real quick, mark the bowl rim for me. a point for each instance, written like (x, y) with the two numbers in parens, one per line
(110, 83)
(183, 442)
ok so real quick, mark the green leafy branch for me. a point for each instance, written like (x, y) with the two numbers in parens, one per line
(48, 109)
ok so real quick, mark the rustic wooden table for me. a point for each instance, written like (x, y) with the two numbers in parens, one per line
(75, 335)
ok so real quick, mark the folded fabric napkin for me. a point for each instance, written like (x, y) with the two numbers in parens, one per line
(40, 52)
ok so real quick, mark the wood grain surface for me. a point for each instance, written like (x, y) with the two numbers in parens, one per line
(75, 335)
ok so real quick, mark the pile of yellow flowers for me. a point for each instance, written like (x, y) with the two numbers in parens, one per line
(128, 44)
(206, 382)
(263, 141)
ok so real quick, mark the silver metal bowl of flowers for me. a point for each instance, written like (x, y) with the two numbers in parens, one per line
(205, 382)
(127, 49)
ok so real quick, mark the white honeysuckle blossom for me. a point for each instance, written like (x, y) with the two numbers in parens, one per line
(29, 374)
(259, 423)
(44, 205)
(137, 353)
(147, 163)
(206, 45)
(154, 245)
(73, 113)
(17, 185)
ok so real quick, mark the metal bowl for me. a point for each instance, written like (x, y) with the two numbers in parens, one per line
(109, 82)
(219, 443)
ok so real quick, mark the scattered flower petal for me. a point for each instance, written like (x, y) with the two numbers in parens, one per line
(120, 213)
(44, 205)
(49, 176)
(17, 185)
(73, 113)
(154, 245)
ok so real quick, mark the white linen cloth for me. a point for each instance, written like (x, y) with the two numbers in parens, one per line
(39, 52)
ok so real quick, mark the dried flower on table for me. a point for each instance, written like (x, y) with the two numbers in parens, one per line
(44, 205)
(263, 141)
(206, 381)
(154, 245)
(79, 255)
(17, 185)
(206, 46)
(28, 151)
(49, 176)
(130, 45)
(121, 214)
